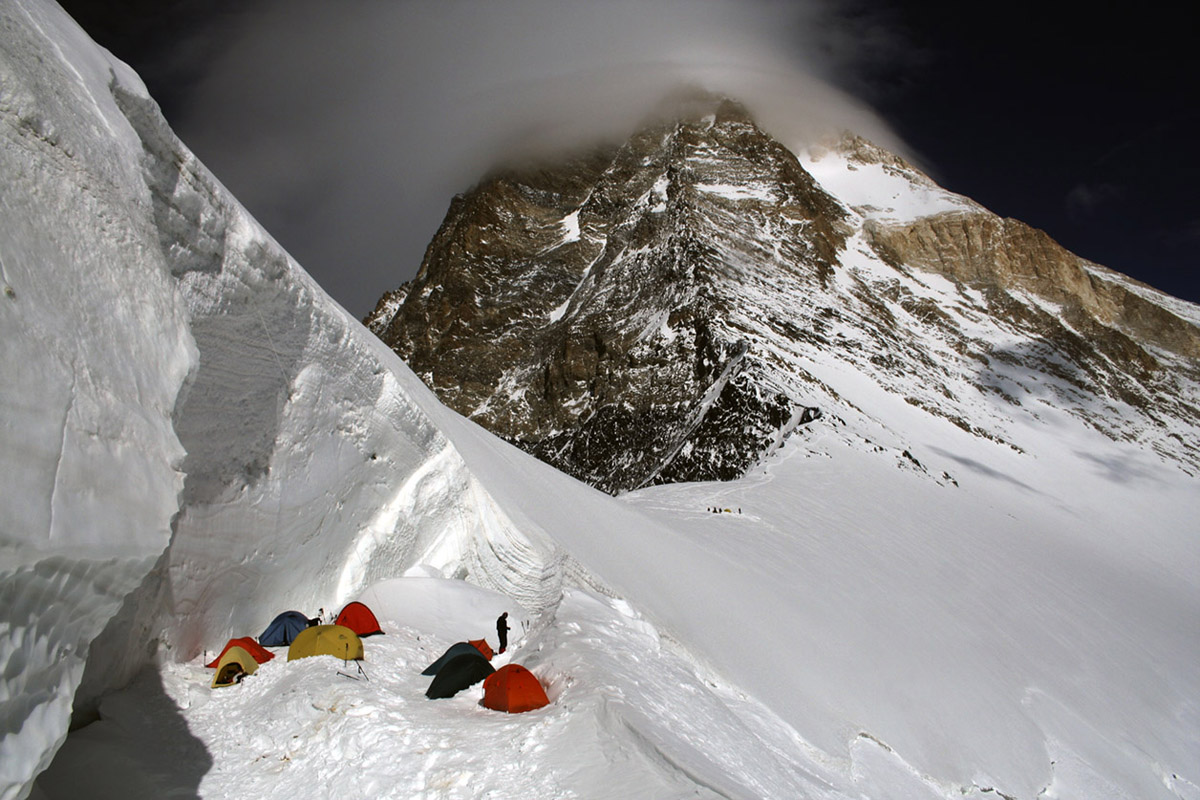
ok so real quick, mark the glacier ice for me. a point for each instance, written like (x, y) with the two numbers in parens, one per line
(94, 348)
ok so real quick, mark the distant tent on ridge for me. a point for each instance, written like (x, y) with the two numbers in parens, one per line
(360, 619)
(247, 643)
(283, 629)
(459, 673)
(233, 666)
(454, 650)
(482, 646)
(514, 689)
(327, 640)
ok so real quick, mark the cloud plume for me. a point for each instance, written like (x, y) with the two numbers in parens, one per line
(346, 128)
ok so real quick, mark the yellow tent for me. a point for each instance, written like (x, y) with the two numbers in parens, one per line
(333, 640)
(233, 666)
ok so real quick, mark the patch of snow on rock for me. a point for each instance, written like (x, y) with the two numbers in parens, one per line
(878, 191)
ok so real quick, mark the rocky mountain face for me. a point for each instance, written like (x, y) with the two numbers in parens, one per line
(674, 308)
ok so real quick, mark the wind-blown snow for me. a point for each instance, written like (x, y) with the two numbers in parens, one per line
(993, 619)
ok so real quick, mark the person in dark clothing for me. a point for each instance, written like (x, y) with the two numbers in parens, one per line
(502, 630)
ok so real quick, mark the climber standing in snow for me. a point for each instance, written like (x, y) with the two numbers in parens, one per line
(502, 630)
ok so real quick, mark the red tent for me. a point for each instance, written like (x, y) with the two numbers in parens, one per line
(482, 646)
(359, 619)
(247, 643)
(514, 689)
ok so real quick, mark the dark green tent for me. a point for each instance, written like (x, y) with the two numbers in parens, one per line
(454, 650)
(458, 673)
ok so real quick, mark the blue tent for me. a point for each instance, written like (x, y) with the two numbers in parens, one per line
(283, 629)
(455, 650)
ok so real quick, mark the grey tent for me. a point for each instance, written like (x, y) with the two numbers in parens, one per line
(459, 673)
(454, 650)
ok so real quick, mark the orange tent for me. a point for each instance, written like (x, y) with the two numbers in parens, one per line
(261, 654)
(482, 646)
(358, 618)
(514, 689)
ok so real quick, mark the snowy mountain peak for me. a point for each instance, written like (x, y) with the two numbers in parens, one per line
(673, 308)
(194, 437)
(585, 303)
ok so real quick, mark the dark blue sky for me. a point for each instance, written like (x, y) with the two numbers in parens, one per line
(1079, 119)
(1073, 119)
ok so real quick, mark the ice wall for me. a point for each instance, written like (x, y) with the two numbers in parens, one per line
(144, 316)
(94, 348)
(312, 465)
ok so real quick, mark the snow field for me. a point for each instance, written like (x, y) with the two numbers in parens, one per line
(918, 615)
(961, 631)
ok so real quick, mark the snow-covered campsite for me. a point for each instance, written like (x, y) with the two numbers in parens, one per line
(194, 438)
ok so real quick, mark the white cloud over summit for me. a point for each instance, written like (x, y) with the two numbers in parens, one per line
(347, 128)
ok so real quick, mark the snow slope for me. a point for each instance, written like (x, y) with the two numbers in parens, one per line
(1043, 611)
(1026, 625)
(879, 190)
(992, 636)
